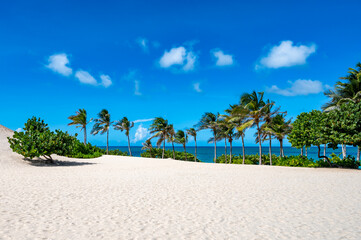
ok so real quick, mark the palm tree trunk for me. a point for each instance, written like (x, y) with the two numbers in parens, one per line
(107, 141)
(260, 144)
(358, 153)
(173, 149)
(185, 151)
(84, 135)
(344, 153)
(306, 151)
(281, 147)
(215, 147)
(302, 151)
(195, 150)
(324, 149)
(270, 149)
(163, 149)
(230, 151)
(130, 151)
(225, 150)
(244, 157)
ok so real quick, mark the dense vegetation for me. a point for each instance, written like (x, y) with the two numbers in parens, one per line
(158, 153)
(292, 161)
(36, 140)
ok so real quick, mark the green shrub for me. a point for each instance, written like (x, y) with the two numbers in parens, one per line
(157, 153)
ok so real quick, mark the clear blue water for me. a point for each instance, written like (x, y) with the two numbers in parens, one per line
(205, 154)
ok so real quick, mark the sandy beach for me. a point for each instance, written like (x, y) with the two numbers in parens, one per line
(114, 197)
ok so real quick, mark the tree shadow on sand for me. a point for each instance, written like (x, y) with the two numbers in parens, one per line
(55, 163)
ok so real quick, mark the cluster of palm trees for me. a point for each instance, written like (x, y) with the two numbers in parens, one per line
(164, 131)
(251, 111)
(102, 125)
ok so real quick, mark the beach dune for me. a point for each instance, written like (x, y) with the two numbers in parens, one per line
(115, 197)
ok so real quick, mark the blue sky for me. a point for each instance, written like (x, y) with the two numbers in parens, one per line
(143, 59)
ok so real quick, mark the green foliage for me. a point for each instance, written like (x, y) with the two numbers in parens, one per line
(292, 161)
(117, 152)
(157, 153)
(37, 140)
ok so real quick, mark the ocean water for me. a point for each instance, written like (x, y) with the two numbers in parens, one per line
(206, 153)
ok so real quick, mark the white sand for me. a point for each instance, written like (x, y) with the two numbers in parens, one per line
(137, 198)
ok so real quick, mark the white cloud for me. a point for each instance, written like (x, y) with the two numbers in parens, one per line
(136, 88)
(196, 87)
(299, 87)
(178, 56)
(222, 59)
(286, 55)
(143, 43)
(85, 77)
(19, 130)
(106, 80)
(143, 120)
(140, 134)
(58, 63)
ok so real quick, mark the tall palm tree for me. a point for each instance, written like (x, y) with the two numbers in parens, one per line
(159, 128)
(124, 125)
(268, 117)
(257, 107)
(238, 115)
(227, 132)
(102, 125)
(170, 137)
(80, 119)
(181, 138)
(209, 121)
(279, 128)
(193, 132)
(350, 90)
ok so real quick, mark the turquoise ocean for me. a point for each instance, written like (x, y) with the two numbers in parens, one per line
(206, 153)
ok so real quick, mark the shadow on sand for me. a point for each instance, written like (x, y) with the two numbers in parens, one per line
(56, 163)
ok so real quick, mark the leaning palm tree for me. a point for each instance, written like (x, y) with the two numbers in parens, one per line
(160, 129)
(192, 132)
(238, 115)
(170, 137)
(279, 128)
(102, 125)
(209, 121)
(227, 127)
(124, 125)
(257, 107)
(182, 138)
(80, 119)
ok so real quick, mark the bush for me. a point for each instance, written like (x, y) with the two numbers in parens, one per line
(157, 153)
(292, 161)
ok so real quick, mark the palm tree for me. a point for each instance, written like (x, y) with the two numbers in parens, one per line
(227, 132)
(257, 108)
(279, 128)
(124, 125)
(80, 119)
(147, 145)
(192, 132)
(170, 137)
(268, 117)
(159, 128)
(347, 91)
(238, 115)
(102, 125)
(209, 121)
(181, 138)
